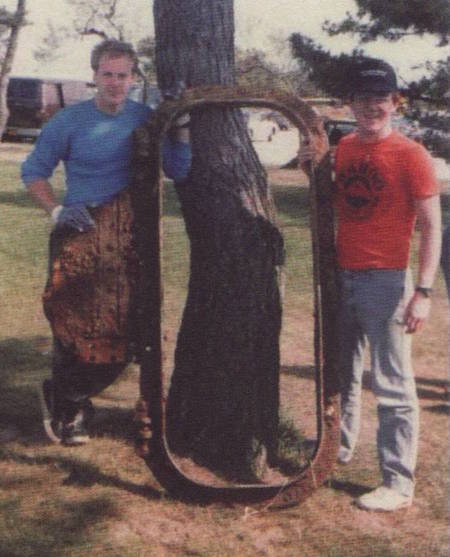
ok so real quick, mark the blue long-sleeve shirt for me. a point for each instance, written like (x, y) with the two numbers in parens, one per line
(96, 150)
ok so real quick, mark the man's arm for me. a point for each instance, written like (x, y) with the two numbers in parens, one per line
(38, 167)
(429, 223)
(41, 192)
(177, 153)
(37, 170)
(76, 217)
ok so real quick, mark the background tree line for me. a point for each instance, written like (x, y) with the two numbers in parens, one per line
(428, 97)
(315, 71)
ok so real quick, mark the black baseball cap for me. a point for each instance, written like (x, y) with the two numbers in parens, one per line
(372, 75)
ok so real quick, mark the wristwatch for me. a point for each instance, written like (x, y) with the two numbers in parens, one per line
(426, 292)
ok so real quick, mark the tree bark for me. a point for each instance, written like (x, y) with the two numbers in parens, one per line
(223, 401)
(7, 62)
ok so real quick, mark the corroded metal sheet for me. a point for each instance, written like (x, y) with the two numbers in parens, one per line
(88, 298)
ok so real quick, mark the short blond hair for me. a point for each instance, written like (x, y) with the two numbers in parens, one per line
(113, 48)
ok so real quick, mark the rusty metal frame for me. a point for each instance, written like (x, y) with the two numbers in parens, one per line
(147, 189)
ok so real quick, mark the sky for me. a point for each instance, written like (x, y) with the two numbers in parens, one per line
(257, 22)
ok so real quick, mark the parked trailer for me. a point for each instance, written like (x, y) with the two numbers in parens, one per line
(33, 101)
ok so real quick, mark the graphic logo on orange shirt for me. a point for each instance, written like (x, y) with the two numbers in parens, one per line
(359, 188)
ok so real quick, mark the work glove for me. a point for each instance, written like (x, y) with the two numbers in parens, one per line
(75, 216)
(175, 93)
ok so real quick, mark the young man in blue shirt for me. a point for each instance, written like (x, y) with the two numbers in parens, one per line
(94, 141)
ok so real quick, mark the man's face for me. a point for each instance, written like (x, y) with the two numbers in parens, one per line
(373, 112)
(113, 79)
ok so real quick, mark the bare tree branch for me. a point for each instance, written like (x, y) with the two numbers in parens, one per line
(93, 31)
(98, 18)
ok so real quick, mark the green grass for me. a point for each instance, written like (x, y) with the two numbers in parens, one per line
(24, 230)
(77, 525)
(101, 500)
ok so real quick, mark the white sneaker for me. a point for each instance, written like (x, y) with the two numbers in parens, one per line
(383, 499)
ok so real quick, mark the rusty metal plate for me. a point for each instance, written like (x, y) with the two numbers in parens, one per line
(92, 276)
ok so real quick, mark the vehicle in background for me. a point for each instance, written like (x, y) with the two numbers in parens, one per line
(145, 92)
(33, 101)
(336, 129)
(437, 142)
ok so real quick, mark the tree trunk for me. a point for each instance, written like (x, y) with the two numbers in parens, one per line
(7, 62)
(223, 401)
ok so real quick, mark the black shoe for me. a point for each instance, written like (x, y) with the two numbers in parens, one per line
(74, 432)
(52, 426)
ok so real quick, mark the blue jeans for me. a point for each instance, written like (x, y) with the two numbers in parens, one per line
(371, 310)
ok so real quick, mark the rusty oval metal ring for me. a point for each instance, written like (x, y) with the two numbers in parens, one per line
(148, 185)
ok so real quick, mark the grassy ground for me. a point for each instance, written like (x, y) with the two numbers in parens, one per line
(102, 500)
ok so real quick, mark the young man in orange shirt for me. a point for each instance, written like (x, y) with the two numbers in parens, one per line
(385, 182)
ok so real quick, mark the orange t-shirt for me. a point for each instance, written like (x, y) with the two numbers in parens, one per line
(376, 184)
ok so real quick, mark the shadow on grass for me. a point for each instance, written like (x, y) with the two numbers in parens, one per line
(18, 198)
(114, 423)
(302, 372)
(58, 528)
(24, 363)
(49, 535)
(439, 409)
(22, 368)
(171, 204)
(438, 388)
(443, 383)
(292, 202)
(351, 488)
(19, 355)
(432, 394)
(80, 473)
